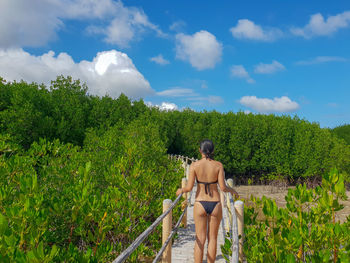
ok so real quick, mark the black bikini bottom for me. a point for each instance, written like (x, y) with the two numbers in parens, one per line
(209, 206)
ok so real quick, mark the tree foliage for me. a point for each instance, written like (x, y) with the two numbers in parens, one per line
(343, 132)
(82, 176)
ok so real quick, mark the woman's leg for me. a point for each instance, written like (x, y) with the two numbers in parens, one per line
(200, 222)
(213, 228)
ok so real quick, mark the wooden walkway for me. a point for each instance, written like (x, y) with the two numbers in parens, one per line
(183, 247)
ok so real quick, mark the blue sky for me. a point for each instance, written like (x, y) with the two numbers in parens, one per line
(281, 57)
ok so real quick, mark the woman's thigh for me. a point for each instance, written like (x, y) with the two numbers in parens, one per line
(200, 220)
(214, 221)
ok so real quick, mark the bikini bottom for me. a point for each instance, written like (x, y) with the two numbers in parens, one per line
(209, 206)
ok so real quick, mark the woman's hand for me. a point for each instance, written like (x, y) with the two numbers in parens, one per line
(179, 191)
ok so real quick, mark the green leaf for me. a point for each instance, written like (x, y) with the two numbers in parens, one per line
(3, 224)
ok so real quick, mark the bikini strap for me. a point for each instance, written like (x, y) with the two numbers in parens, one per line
(207, 186)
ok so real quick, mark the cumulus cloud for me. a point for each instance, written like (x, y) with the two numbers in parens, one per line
(110, 72)
(165, 106)
(265, 105)
(127, 23)
(21, 24)
(160, 60)
(319, 26)
(262, 68)
(246, 29)
(177, 92)
(238, 71)
(201, 49)
(321, 59)
(36, 22)
(168, 106)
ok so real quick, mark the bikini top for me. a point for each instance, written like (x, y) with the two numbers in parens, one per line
(207, 187)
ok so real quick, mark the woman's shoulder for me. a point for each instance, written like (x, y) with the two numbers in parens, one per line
(196, 163)
(217, 163)
(199, 162)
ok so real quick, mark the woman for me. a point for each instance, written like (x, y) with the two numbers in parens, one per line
(207, 209)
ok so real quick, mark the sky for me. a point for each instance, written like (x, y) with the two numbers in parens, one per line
(280, 57)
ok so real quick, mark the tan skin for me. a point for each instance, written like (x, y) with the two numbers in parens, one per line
(206, 170)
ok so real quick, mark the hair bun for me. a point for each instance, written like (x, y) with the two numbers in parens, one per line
(207, 148)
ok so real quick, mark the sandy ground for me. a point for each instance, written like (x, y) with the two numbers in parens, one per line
(278, 194)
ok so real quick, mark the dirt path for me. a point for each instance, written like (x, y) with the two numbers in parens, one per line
(278, 194)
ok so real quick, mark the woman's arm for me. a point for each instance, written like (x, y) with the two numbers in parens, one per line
(222, 184)
(189, 184)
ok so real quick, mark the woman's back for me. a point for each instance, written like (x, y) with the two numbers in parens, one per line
(207, 172)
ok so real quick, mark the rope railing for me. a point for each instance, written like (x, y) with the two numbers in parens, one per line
(127, 252)
(173, 232)
(166, 217)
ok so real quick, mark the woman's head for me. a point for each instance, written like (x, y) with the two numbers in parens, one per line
(207, 148)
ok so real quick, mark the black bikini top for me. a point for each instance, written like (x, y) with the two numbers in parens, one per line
(207, 187)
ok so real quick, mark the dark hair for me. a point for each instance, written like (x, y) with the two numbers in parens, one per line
(207, 148)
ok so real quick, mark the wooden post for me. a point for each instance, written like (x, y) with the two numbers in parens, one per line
(224, 207)
(184, 204)
(239, 208)
(230, 184)
(167, 225)
(187, 171)
(184, 167)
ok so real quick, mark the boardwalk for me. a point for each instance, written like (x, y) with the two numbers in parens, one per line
(182, 250)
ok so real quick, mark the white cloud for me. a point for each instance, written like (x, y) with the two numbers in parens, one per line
(201, 49)
(265, 105)
(127, 23)
(318, 26)
(36, 22)
(160, 60)
(177, 92)
(177, 26)
(165, 106)
(190, 95)
(269, 68)
(28, 23)
(215, 100)
(110, 72)
(168, 106)
(246, 29)
(211, 99)
(321, 59)
(238, 71)
(85, 9)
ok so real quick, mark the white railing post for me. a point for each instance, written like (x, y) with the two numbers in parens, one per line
(239, 209)
(230, 184)
(187, 171)
(167, 225)
(184, 203)
(234, 227)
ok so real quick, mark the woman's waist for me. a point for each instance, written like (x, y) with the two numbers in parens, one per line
(207, 200)
(201, 196)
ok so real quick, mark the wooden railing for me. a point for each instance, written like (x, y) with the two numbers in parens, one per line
(232, 211)
(167, 231)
